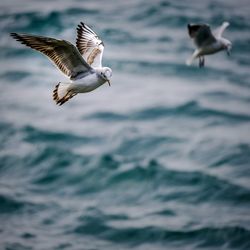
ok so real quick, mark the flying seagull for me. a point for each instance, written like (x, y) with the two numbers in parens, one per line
(81, 64)
(207, 42)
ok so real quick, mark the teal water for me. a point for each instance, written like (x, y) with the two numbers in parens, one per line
(158, 161)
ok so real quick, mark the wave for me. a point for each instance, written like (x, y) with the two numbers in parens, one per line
(151, 174)
(190, 109)
(203, 237)
(33, 134)
(9, 205)
(107, 116)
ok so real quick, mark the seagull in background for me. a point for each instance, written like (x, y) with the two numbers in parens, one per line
(81, 64)
(207, 42)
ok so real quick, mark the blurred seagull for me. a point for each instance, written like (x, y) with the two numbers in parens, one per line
(82, 64)
(207, 42)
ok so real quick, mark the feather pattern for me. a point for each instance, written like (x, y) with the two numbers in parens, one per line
(64, 54)
(89, 45)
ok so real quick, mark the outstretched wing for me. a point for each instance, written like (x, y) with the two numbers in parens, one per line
(219, 31)
(64, 54)
(201, 33)
(90, 45)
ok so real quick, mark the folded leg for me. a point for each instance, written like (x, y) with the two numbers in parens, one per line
(201, 61)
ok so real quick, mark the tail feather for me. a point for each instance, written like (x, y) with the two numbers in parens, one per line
(62, 93)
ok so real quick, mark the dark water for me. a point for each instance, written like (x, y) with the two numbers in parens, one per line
(161, 160)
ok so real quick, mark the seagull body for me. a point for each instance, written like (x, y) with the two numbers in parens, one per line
(82, 64)
(207, 43)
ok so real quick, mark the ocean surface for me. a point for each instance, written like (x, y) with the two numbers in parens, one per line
(159, 160)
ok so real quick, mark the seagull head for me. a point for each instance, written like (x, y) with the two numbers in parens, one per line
(106, 74)
(226, 45)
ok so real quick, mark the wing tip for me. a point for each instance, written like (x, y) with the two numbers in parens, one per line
(188, 62)
(20, 38)
(15, 35)
(193, 29)
(82, 25)
(84, 28)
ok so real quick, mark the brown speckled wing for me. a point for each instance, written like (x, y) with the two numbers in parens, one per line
(64, 54)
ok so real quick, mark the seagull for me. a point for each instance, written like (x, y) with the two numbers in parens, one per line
(207, 42)
(82, 63)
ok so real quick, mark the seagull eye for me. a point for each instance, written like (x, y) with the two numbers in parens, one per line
(107, 73)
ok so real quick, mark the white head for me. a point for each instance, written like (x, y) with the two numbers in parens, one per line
(226, 45)
(106, 74)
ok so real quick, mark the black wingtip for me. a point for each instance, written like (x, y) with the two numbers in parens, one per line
(81, 25)
(20, 38)
(14, 35)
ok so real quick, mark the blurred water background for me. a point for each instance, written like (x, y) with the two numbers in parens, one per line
(161, 160)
